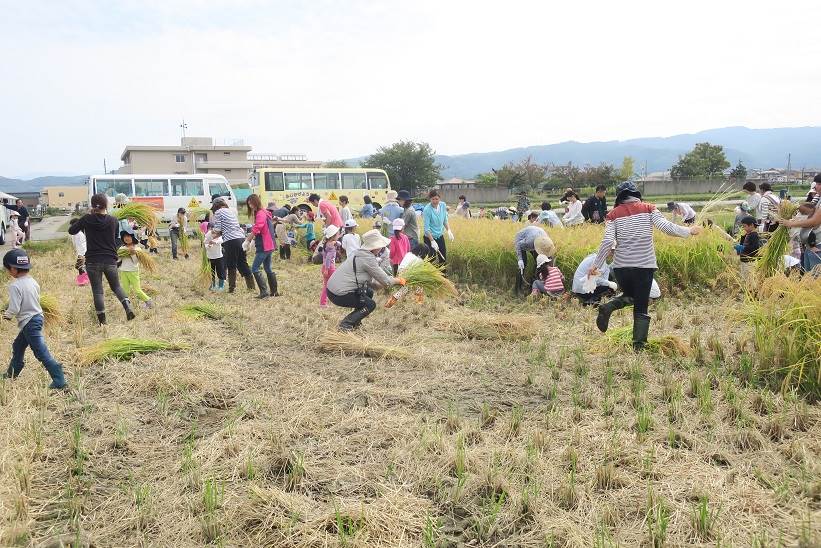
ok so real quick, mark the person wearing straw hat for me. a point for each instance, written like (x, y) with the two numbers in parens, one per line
(629, 226)
(351, 285)
(531, 240)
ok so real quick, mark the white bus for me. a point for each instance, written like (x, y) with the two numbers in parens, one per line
(167, 193)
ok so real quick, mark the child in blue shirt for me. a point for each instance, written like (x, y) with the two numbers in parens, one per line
(24, 306)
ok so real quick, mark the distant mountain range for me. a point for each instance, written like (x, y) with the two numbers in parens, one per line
(38, 183)
(758, 148)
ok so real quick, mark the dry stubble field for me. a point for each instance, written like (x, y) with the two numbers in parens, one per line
(255, 437)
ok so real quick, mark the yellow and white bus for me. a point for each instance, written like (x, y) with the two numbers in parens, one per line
(292, 186)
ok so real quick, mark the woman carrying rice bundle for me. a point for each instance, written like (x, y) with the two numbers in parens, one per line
(629, 226)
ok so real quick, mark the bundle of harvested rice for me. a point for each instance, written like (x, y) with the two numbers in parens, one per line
(146, 261)
(338, 341)
(51, 309)
(204, 272)
(771, 256)
(480, 325)
(143, 214)
(430, 278)
(198, 214)
(123, 348)
(202, 310)
(666, 345)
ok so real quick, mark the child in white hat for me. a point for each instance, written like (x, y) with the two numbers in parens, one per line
(400, 245)
(350, 240)
(17, 233)
(330, 234)
(549, 279)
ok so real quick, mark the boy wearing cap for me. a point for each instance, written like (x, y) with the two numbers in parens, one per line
(24, 305)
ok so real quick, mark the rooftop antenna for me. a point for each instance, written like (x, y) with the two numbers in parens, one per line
(183, 127)
(105, 169)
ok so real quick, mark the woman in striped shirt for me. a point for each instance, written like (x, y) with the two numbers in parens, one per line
(226, 223)
(629, 228)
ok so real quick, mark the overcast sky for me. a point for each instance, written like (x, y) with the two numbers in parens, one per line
(335, 79)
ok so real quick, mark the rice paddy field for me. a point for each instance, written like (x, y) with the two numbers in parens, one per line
(482, 419)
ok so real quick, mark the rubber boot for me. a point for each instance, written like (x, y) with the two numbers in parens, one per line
(606, 309)
(641, 326)
(129, 312)
(273, 287)
(101, 317)
(353, 320)
(263, 287)
(220, 286)
(232, 280)
(249, 282)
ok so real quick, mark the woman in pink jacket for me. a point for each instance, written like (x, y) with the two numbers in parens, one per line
(263, 235)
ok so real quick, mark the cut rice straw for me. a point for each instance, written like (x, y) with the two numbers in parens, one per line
(479, 325)
(771, 256)
(715, 203)
(202, 310)
(429, 278)
(666, 345)
(348, 343)
(143, 214)
(122, 349)
(51, 310)
(146, 261)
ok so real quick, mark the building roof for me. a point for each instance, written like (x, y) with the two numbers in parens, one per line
(179, 148)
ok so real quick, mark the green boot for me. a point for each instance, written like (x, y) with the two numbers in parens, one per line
(641, 326)
(606, 309)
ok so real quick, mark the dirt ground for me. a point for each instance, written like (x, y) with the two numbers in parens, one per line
(255, 437)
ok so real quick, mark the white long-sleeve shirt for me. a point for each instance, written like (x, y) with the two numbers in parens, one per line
(213, 245)
(581, 274)
(24, 300)
(573, 216)
(79, 242)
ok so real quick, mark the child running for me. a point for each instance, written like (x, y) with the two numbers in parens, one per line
(213, 250)
(549, 279)
(328, 261)
(129, 268)
(400, 245)
(24, 306)
(79, 242)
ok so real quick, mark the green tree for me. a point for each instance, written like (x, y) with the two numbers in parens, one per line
(739, 172)
(522, 175)
(336, 163)
(627, 166)
(409, 165)
(705, 160)
(487, 179)
(602, 174)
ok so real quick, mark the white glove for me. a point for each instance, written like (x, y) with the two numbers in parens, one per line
(612, 285)
(589, 285)
(246, 245)
(450, 234)
(521, 264)
(434, 245)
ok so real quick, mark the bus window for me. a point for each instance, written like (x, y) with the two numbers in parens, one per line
(273, 182)
(186, 187)
(297, 181)
(150, 187)
(112, 187)
(217, 188)
(326, 181)
(354, 180)
(377, 181)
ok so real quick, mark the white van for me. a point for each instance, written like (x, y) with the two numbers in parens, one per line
(4, 215)
(167, 193)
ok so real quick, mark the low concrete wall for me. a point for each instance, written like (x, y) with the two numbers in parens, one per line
(476, 195)
(657, 188)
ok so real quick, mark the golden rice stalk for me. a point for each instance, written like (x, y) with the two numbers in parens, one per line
(51, 310)
(143, 214)
(122, 349)
(771, 256)
(666, 345)
(481, 325)
(202, 310)
(430, 278)
(348, 343)
(146, 261)
(204, 272)
(196, 214)
(724, 193)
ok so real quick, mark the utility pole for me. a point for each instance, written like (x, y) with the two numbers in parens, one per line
(183, 126)
(789, 167)
(105, 169)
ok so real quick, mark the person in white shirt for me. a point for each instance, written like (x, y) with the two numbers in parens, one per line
(351, 240)
(603, 285)
(573, 215)
(80, 247)
(683, 210)
(213, 250)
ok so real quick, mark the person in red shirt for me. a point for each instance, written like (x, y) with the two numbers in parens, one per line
(327, 210)
(400, 245)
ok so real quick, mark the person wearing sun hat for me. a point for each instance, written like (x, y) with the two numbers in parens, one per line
(351, 285)
(531, 240)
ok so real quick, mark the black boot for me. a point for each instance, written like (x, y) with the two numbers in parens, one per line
(101, 317)
(263, 287)
(273, 287)
(249, 282)
(232, 280)
(354, 319)
(641, 326)
(606, 309)
(129, 312)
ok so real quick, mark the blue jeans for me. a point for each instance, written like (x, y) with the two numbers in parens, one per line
(262, 258)
(32, 335)
(811, 260)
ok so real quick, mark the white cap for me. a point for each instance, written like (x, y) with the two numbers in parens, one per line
(330, 231)
(540, 260)
(398, 224)
(351, 223)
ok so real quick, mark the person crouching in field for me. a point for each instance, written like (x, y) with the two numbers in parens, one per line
(213, 250)
(749, 245)
(400, 245)
(79, 242)
(549, 279)
(129, 268)
(351, 285)
(24, 306)
(601, 284)
(329, 250)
